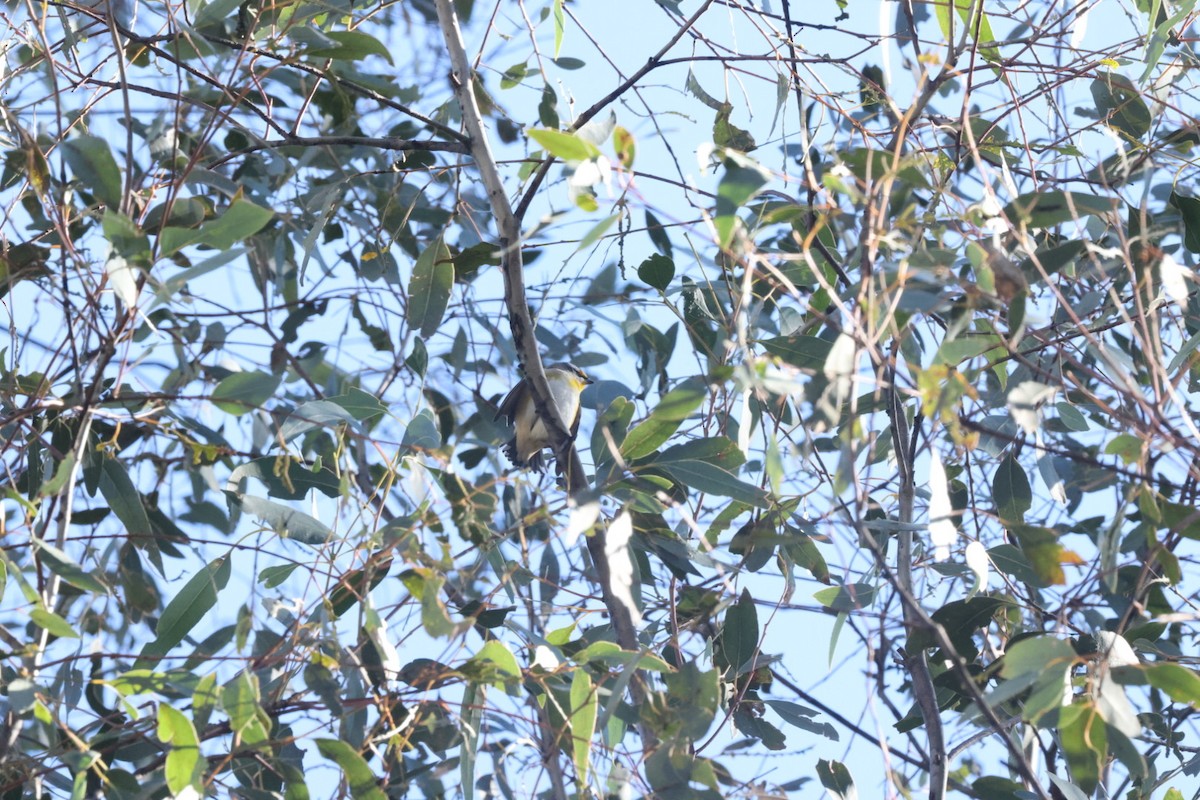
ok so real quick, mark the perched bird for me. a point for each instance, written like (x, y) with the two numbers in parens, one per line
(530, 434)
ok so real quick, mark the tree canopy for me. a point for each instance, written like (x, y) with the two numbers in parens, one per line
(890, 465)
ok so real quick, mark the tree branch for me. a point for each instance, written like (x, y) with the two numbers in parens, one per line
(508, 227)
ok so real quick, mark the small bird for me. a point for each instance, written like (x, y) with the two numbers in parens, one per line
(530, 434)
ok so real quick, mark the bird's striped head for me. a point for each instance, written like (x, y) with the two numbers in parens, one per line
(577, 376)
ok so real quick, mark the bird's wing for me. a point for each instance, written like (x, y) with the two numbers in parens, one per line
(575, 422)
(508, 406)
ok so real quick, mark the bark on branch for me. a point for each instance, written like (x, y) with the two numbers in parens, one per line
(508, 226)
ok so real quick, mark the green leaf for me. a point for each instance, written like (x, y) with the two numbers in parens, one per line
(836, 779)
(805, 352)
(311, 415)
(124, 498)
(693, 697)
(567, 146)
(287, 478)
(675, 406)
(719, 450)
(1071, 418)
(1037, 654)
(514, 75)
(658, 235)
(67, 568)
(1179, 682)
(1121, 105)
(126, 238)
(559, 26)
(1054, 259)
(1047, 209)
(726, 134)
(598, 230)
(272, 577)
(362, 782)
(241, 392)
(739, 635)
(472, 715)
(426, 585)
(1084, 739)
(625, 146)
(740, 183)
(1011, 491)
(172, 285)
(547, 111)
(240, 221)
(53, 624)
(361, 405)
(1127, 446)
(1164, 31)
(847, 597)
(1011, 561)
(90, 158)
(418, 359)
(960, 619)
(347, 46)
(184, 767)
(285, 520)
(241, 699)
(497, 653)
(711, 479)
(1189, 210)
(356, 584)
(694, 87)
(185, 610)
(422, 432)
(215, 11)
(584, 710)
(978, 26)
(750, 723)
(964, 348)
(1045, 554)
(800, 717)
(657, 271)
(429, 290)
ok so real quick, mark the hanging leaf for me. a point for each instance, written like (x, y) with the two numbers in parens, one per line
(805, 352)
(1085, 743)
(847, 597)
(240, 221)
(1047, 209)
(739, 635)
(242, 392)
(184, 767)
(286, 520)
(837, 780)
(1011, 491)
(584, 710)
(657, 271)
(1189, 210)
(359, 777)
(91, 159)
(429, 290)
(185, 610)
(567, 146)
(1121, 105)
(559, 26)
(711, 479)
(675, 406)
(741, 182)
(658, 234)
